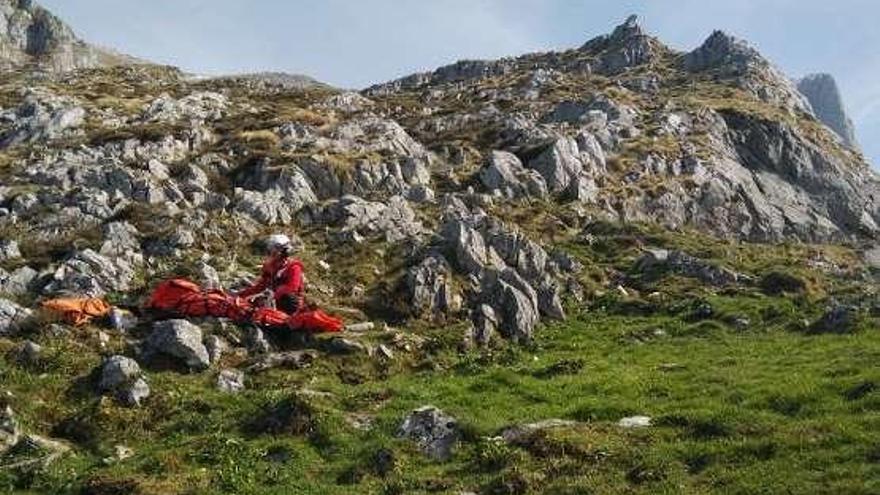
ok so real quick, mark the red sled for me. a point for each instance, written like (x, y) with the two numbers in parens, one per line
(184, 298)
(315, 321)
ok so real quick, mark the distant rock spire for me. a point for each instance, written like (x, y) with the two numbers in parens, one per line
(824, 95)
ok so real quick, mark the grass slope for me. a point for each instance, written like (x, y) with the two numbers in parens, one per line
(762, 410)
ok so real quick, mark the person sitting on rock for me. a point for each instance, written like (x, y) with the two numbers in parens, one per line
(281, 274)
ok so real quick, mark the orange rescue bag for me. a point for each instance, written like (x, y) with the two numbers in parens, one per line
(78, 311)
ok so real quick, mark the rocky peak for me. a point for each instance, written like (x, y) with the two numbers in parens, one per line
(629, 29)
(32, 35)
(722, 50)
(823, 94)
(627, 46)
(731, 58)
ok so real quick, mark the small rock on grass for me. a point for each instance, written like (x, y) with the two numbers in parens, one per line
(635, 422)
(230, 381)
(434, 431)
(839, 320)
(518, 433)
(9, 431)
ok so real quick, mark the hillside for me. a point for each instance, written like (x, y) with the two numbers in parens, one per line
(613, 269)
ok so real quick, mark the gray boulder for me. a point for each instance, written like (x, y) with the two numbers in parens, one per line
(41, 117)
(216, 347)
(230, 381)
(120, 239)
(273, 194)
(575, 112)
(28, 353)
(91, 274)
(179, 339)
(10, 432)
(19, 282)
(591, 152)
(345, 347)
(505, 173)
(632, 422)
(256, 341)
(485, 324)
(515, 302)
(267, 208)
(118, 371)
(401, 177)
(432, 430)
(347, 102)
(559, 164)
(135, 394)
(9, 250)
(394, 219)
(122, 377)
(12, 318)
(526, 256)
(469, 250)
(550, 300)
(207, 276)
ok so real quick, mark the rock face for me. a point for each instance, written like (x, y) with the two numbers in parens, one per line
(429, 288)
(31, 34)
(822, 92)
(514, 280)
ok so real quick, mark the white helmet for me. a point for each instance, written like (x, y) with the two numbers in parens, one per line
(278, 241)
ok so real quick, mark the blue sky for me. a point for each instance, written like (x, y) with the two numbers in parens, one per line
(354, 43)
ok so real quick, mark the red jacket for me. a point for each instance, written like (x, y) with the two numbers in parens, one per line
(283, 276)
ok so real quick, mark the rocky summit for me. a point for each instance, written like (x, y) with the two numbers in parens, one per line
(658, 268)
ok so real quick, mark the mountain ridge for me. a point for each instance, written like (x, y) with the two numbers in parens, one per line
(770, 198)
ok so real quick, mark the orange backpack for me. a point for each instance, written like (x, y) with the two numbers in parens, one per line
(78, 311)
